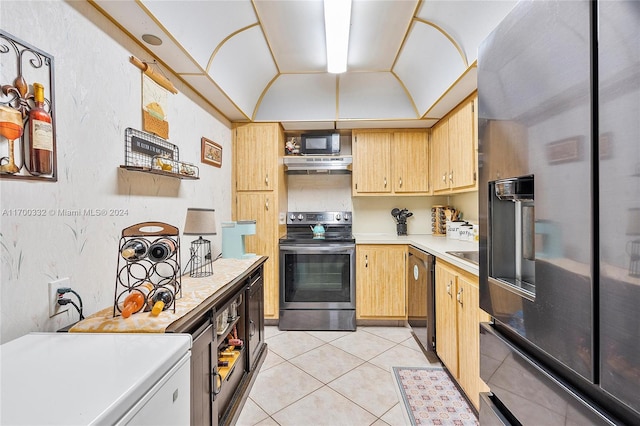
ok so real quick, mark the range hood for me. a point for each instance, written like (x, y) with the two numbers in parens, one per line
(317, 164)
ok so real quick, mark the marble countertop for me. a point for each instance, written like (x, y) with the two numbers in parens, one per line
(435, 245)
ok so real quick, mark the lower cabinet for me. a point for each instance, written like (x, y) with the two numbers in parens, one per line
(458, 320)
(204, 408)
(381, 288)
(255, 320)
(222, 370)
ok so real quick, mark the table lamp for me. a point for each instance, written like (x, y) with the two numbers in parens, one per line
(200, 222)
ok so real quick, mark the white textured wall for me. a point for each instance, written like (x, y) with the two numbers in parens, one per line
(373, 214)
(98, 95)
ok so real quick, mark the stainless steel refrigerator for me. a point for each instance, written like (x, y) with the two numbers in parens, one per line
(559, 156)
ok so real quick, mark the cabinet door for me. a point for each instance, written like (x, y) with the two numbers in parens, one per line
(440, 155)
(410, 154)
(446, 323)
(371, 162)
(381, 281)
(256, 151)
(204, 411)
(255, 320)
(261, 207)
(462, 152)
(469, 337)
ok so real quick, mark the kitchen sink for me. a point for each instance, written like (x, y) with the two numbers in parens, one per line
(469, 256)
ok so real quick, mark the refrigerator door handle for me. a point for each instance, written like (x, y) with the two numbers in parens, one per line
(528, 233)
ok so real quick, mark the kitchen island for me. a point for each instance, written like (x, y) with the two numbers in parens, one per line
(228, 304)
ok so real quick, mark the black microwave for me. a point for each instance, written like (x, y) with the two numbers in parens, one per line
(320, 144)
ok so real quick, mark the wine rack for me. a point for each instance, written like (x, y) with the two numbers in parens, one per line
(231, 354)
(162, 272)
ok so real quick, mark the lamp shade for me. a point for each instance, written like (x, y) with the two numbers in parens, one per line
(200, 222)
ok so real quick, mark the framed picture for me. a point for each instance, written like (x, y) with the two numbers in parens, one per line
(211, 153)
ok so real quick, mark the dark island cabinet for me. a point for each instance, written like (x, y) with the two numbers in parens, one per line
(204, 407)
(223, 369)
(255, 320)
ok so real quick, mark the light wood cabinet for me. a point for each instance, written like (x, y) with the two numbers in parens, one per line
(440, 155)
(261, 207)
(256, 151)
(458, 320)
(454, 145)
(381, 289)
(390, 162)
(259, 187)
(410, 162)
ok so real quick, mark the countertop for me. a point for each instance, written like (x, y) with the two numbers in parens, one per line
(196, 295)
(435, 245)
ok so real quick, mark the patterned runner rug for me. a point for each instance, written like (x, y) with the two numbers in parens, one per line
(431, 398)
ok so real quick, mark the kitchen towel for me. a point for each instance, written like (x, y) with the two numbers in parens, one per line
(428, 396)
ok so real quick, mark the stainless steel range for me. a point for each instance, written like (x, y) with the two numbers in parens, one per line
(317, 272)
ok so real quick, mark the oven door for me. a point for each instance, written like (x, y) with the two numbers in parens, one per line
(316, 276)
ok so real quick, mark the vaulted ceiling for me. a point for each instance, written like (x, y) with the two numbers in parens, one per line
(409, 63)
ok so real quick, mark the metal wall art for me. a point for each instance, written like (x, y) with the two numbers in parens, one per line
(23, 66)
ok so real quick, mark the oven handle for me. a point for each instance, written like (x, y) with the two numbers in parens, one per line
(313, 248)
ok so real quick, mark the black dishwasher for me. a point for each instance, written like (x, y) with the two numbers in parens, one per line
(421, 301)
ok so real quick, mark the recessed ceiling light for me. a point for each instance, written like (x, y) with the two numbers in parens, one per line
(151, 39)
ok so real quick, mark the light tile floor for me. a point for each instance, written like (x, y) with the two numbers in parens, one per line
(316, 378)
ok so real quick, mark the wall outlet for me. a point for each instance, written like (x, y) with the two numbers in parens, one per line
(54, 308)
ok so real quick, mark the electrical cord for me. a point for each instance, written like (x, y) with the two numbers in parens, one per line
(64, 301)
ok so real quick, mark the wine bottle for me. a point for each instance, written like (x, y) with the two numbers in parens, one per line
(135, 249)
(161, 300)
(161, 249)
(136, 299)
(40, 135)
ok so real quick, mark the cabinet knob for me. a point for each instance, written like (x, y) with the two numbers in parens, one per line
(366, 261)
(444, 177)
(266, 179)
(400, 182)
(266, 204)
(451, 176)
(459, 297)
(385, 182)
(449, 288)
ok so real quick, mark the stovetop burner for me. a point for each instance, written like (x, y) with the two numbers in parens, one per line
(300, 225)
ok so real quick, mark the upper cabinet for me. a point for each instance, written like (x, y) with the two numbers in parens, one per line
(454, 145)
(390, 162)
(257, 148)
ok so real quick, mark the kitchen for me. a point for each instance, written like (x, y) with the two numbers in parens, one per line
(39, 250)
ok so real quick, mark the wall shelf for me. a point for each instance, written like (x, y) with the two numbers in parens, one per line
(158, 172)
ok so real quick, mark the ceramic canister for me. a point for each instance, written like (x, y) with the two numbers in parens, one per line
(466, 232)
(453, 229)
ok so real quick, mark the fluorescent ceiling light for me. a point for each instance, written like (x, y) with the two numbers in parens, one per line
(337, 21)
